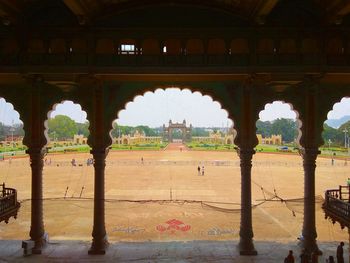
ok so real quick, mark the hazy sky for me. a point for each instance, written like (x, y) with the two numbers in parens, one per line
(154, 109)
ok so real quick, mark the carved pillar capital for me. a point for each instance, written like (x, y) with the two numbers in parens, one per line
(99, 152)
(245, 153)
(36, 151)
(310, 153)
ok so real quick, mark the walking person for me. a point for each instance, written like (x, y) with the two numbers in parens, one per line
(304, 257)
(314, 257)
(203, 170)
(340, 252)
(199, 170)
(289, 258)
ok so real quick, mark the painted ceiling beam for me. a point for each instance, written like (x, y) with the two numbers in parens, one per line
(9, 11)
(82, 9)
(262, 10)
(336, 10)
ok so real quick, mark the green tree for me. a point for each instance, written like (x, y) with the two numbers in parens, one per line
(2, 131)
(83, 128)
(335, 135)
(147, 130)
(62, 127)
(286, 127)
(120, 130)
(199, 132)
(18, 129)
(264, 128)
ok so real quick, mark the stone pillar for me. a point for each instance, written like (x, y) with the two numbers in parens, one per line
(37, 232)
(309, 234)
(99, 241)
(246, 246)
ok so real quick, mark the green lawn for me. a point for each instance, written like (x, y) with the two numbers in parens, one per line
(334, 151)
(210, 147)
(72, 148)
(138, 147)
(275, 149)
(325, 151)
(12, 149)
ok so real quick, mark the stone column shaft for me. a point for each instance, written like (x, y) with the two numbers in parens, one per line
(309, 233)
(99, 241)
(37, 231)
(246, 245)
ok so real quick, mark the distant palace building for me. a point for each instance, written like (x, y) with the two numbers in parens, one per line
(214, 138)
(273, 140)
(137, 138)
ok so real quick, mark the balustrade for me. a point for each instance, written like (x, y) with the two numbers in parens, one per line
(8, 203)
(236, 49)
(337, 205)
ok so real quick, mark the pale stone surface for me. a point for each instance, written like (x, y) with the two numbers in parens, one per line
(194, 251)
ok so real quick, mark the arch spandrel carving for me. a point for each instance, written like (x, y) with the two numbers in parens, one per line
(270, 92)
(40, 98)
(95, 97)
(310, 113)
(32, 103)
(246, 98)
(334, 94)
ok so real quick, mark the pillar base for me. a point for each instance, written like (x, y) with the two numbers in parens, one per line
(246, 248)
(98, 247)
(40, 244)
(310, 246)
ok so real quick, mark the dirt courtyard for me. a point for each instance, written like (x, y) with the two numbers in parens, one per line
(159, 196)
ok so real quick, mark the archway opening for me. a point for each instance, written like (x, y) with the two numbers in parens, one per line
(13, 169)
(178, 190)
(68, 173)
(332, 163)
(277, 174)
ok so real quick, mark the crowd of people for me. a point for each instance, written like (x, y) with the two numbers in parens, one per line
(313, 257)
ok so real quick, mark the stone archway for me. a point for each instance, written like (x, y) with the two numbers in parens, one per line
(168, 131)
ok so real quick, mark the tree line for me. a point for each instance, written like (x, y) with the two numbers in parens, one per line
(62, 127)
(288, 128)
(336, 137)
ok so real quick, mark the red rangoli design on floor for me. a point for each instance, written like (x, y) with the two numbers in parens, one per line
(173, 225)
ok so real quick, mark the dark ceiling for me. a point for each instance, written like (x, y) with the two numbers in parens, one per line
(161, 13)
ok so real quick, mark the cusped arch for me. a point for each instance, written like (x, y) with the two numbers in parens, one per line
(334, 104)
(142, 92)
(53, 108)
(263, 105)
(11, 107)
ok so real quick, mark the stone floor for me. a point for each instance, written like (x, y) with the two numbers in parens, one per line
(194, 251)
